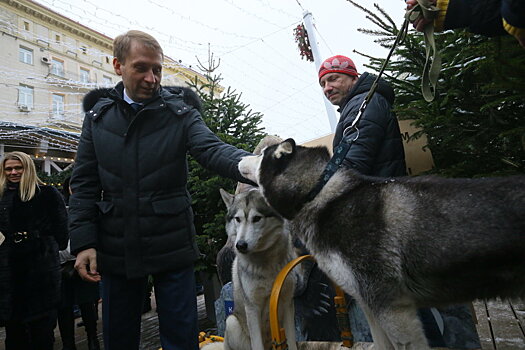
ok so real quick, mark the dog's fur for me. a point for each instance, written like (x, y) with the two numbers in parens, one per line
(226, 255)
(263, 248)
(403, 243)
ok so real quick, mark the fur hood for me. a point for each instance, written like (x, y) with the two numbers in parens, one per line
(189, 96)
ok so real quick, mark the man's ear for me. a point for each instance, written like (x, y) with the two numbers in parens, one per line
(117, 66)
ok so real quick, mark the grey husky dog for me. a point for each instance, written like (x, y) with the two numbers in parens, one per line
(403, 243)
(263, 248)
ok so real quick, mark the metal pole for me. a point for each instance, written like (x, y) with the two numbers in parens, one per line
(307, 16)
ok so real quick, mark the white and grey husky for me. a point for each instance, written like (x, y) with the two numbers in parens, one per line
(263, 248)
(403, 243)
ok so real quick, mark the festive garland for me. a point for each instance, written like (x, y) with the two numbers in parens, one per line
(301, 38)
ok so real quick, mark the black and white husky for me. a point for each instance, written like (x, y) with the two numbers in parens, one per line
(403, 243)
(263, 248)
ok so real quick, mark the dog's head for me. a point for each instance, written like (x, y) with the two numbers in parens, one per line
(286, 172)
(251, 224)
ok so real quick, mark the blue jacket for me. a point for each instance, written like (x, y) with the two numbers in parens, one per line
(378, 151)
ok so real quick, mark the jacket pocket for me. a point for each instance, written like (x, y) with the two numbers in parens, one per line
(171, 206)
(105, 207)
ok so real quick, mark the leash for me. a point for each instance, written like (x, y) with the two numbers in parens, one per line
(432, 65)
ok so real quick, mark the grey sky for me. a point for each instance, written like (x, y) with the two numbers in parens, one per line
(255, 43)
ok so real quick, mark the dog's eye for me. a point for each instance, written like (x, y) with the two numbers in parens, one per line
(256, 218)
(238, 219)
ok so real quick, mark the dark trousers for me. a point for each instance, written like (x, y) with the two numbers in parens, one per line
(122, 301)
(32, 335)
(66, 324)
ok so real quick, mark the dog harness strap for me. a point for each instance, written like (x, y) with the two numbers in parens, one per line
(335, 162)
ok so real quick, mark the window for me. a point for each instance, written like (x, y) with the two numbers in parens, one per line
(57, 67)
(57, 39)
(25, 97)
(106, 81)
(58, 106)
(25, 55)
(84, 76)
(26, 26)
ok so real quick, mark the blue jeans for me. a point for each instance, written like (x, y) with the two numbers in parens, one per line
(176, 299)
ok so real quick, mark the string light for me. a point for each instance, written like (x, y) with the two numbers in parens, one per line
(293, 88)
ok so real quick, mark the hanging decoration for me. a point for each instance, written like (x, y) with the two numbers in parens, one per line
(301, 38)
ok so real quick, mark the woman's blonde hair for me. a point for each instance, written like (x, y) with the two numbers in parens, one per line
(29, 180)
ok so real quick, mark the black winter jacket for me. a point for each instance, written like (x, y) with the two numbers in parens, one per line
(129, 199)
(481, 16)
(30, 269)
(378, 151)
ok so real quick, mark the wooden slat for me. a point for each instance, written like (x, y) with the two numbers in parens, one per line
(320, 345)
(483, 325)
(505, 326)
(519, 309)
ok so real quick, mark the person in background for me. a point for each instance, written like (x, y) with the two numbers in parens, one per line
(490, 17)
(76, 291)
(33, 220)
(130, 213)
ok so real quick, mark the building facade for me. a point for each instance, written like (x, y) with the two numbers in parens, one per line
(47, 64)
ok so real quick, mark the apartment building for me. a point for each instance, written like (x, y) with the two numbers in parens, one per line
(47, 64)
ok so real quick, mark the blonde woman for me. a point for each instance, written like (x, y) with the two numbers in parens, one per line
(34, 222)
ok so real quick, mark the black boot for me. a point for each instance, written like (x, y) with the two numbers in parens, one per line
(89, 316)
(93, 343)
(66, 325)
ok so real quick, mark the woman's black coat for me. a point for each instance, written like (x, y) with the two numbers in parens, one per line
(30, 269)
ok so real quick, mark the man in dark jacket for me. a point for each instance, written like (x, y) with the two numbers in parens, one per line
(378, 149)
(130, 213)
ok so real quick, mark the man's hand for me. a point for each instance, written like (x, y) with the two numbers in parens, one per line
(86, 265)
(420, 23)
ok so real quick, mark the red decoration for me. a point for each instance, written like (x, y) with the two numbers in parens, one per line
(301, 38)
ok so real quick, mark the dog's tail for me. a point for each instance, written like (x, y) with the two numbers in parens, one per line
(213, 346)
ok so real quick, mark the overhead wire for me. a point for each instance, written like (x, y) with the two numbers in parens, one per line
(224, 50)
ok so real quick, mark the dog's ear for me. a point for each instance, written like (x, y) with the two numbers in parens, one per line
(227, 198)
(285, 148)
(268, 140)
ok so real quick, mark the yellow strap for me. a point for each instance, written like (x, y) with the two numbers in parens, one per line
(512, 30)
(278, 334)
(342, 317)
